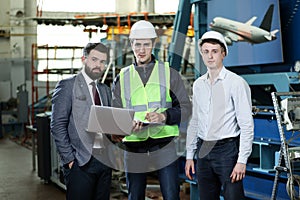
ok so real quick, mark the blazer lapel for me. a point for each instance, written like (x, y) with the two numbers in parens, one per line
(83, 89)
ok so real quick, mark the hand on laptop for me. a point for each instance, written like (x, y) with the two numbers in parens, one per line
(137, 125)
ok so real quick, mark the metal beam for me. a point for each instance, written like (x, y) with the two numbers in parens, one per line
(181, 23)
(200, 27)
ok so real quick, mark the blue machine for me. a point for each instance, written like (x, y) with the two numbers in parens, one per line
(263, 79)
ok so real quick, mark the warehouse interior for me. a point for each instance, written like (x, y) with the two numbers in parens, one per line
(41, 42)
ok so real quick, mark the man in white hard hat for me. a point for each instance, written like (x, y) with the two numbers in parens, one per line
(220, 132)
(157, 94)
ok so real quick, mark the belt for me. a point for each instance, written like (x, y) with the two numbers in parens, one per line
(222, 141)
(227, 140)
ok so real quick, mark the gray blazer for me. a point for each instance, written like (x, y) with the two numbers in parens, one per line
(71, 103)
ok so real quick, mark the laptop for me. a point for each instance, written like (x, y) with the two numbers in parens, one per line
(110, 120)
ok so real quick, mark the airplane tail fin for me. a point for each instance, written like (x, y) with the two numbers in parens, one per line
(267, 21)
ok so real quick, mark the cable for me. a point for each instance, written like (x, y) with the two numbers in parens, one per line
(290, 187)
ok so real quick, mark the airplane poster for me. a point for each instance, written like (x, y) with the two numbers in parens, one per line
(251, 29)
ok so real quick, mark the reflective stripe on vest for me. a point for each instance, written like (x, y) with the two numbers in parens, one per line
(163, 92)
(143, 99)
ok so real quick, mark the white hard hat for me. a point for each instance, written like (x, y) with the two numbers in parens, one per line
(142, 30)
(213, 35)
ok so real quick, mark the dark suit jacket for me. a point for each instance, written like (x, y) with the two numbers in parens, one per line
(71, 103)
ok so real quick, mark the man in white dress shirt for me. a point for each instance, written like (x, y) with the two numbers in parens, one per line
(220, 132)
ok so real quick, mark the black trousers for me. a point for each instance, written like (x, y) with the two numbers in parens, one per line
(215, 162)
(91, 181)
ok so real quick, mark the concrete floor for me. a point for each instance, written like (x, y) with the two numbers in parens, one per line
(19, 181)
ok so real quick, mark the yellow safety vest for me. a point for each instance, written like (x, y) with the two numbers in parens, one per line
(143, 99)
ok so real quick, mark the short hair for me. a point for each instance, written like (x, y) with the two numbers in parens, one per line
(213, 41)
(97, 46)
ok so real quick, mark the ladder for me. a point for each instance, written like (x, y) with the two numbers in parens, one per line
(284, 149)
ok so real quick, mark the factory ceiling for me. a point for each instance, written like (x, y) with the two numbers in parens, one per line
(109, 19)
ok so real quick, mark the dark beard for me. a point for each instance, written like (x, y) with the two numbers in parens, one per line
(92, 75)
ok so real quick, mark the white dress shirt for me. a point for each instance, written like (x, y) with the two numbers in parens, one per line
(98, 142)
(221, 109)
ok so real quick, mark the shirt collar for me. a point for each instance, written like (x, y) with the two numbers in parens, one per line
(221, 75)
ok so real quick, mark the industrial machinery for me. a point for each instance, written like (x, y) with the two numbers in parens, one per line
(291, 109)
(14, 113)
(288, 160)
